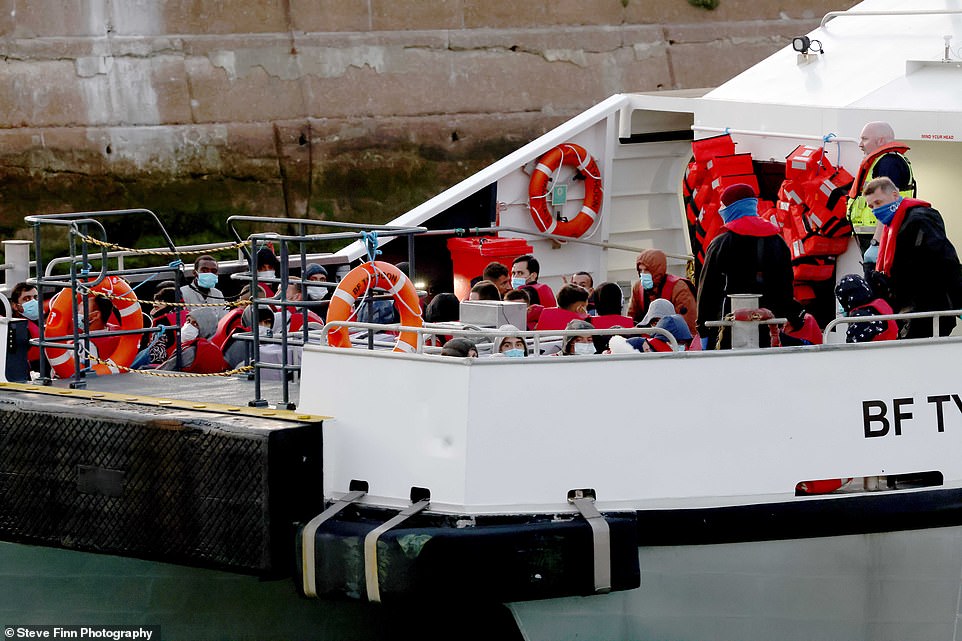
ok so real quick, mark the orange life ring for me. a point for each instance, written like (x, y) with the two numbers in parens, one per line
(60, 323)
(382, 276)
(571, 155)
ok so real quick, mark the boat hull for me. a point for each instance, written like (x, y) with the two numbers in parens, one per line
(892, 585)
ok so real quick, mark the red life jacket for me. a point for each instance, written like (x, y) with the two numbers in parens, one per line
(296, 319)
(886, 249)
(667, 288)
(752, 226)
(534, 314)
(557, 318)
(809, 332)
(106, 345)
(227, 326)
(879, 306)
(33, 354)
(545, 295)
(207, 358)
(607, 321)
(659, 345)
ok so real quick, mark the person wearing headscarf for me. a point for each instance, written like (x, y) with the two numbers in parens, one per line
(857, 299)
(512, 345)
(460, 347)
(198, 354)
(575, 345)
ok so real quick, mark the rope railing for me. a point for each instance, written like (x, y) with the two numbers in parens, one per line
(213, 248)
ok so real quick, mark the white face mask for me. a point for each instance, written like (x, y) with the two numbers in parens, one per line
(317, 293)
(188, 333)
(267, 273)
(582, 349)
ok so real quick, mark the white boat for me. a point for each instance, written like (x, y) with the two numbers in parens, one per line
(706, 448)
(656, 496)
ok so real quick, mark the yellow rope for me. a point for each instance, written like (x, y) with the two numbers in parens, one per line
(730, 317)
(153, 372)
(159, 252)
(244, 302)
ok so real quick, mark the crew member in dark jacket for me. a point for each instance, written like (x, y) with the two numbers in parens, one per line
(917, 263)
(747, 257)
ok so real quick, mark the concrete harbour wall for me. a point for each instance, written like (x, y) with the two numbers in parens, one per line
(355, 109)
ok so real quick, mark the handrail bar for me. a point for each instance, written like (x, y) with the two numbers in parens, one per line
(475, 231)
(76, 216)
(140, 252)
(831, 15)
(344, 235)
(496, 333)
(301, 222)
(392, 230)
(7, 308)
(772, 134)
(934, 315)
(729, 323)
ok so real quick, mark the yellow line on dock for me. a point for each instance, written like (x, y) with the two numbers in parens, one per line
(141, 399)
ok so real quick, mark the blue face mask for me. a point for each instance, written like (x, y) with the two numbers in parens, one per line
(513, 353)
(886, 213)
(517, 282)
(206, 280)
(31, 309)
(647, 281)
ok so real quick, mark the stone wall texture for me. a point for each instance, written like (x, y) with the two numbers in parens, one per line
(349, 109)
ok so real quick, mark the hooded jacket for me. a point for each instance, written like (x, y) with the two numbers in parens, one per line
(666, 286)
(496, 346)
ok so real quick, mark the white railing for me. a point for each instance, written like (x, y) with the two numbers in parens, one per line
(831, 15)
(473, 333)
(848, 320)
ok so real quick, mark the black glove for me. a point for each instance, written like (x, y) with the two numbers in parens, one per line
(881, 287)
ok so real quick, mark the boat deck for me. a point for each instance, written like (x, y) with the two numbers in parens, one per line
(211, 393)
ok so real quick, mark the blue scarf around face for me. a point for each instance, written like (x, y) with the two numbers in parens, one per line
(886, 213)
(739, 209)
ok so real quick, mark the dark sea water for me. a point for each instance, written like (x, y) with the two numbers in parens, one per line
(51, 586)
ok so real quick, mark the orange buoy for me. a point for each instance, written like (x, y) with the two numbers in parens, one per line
(571, 155)
(356, 283)
(60, 322)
